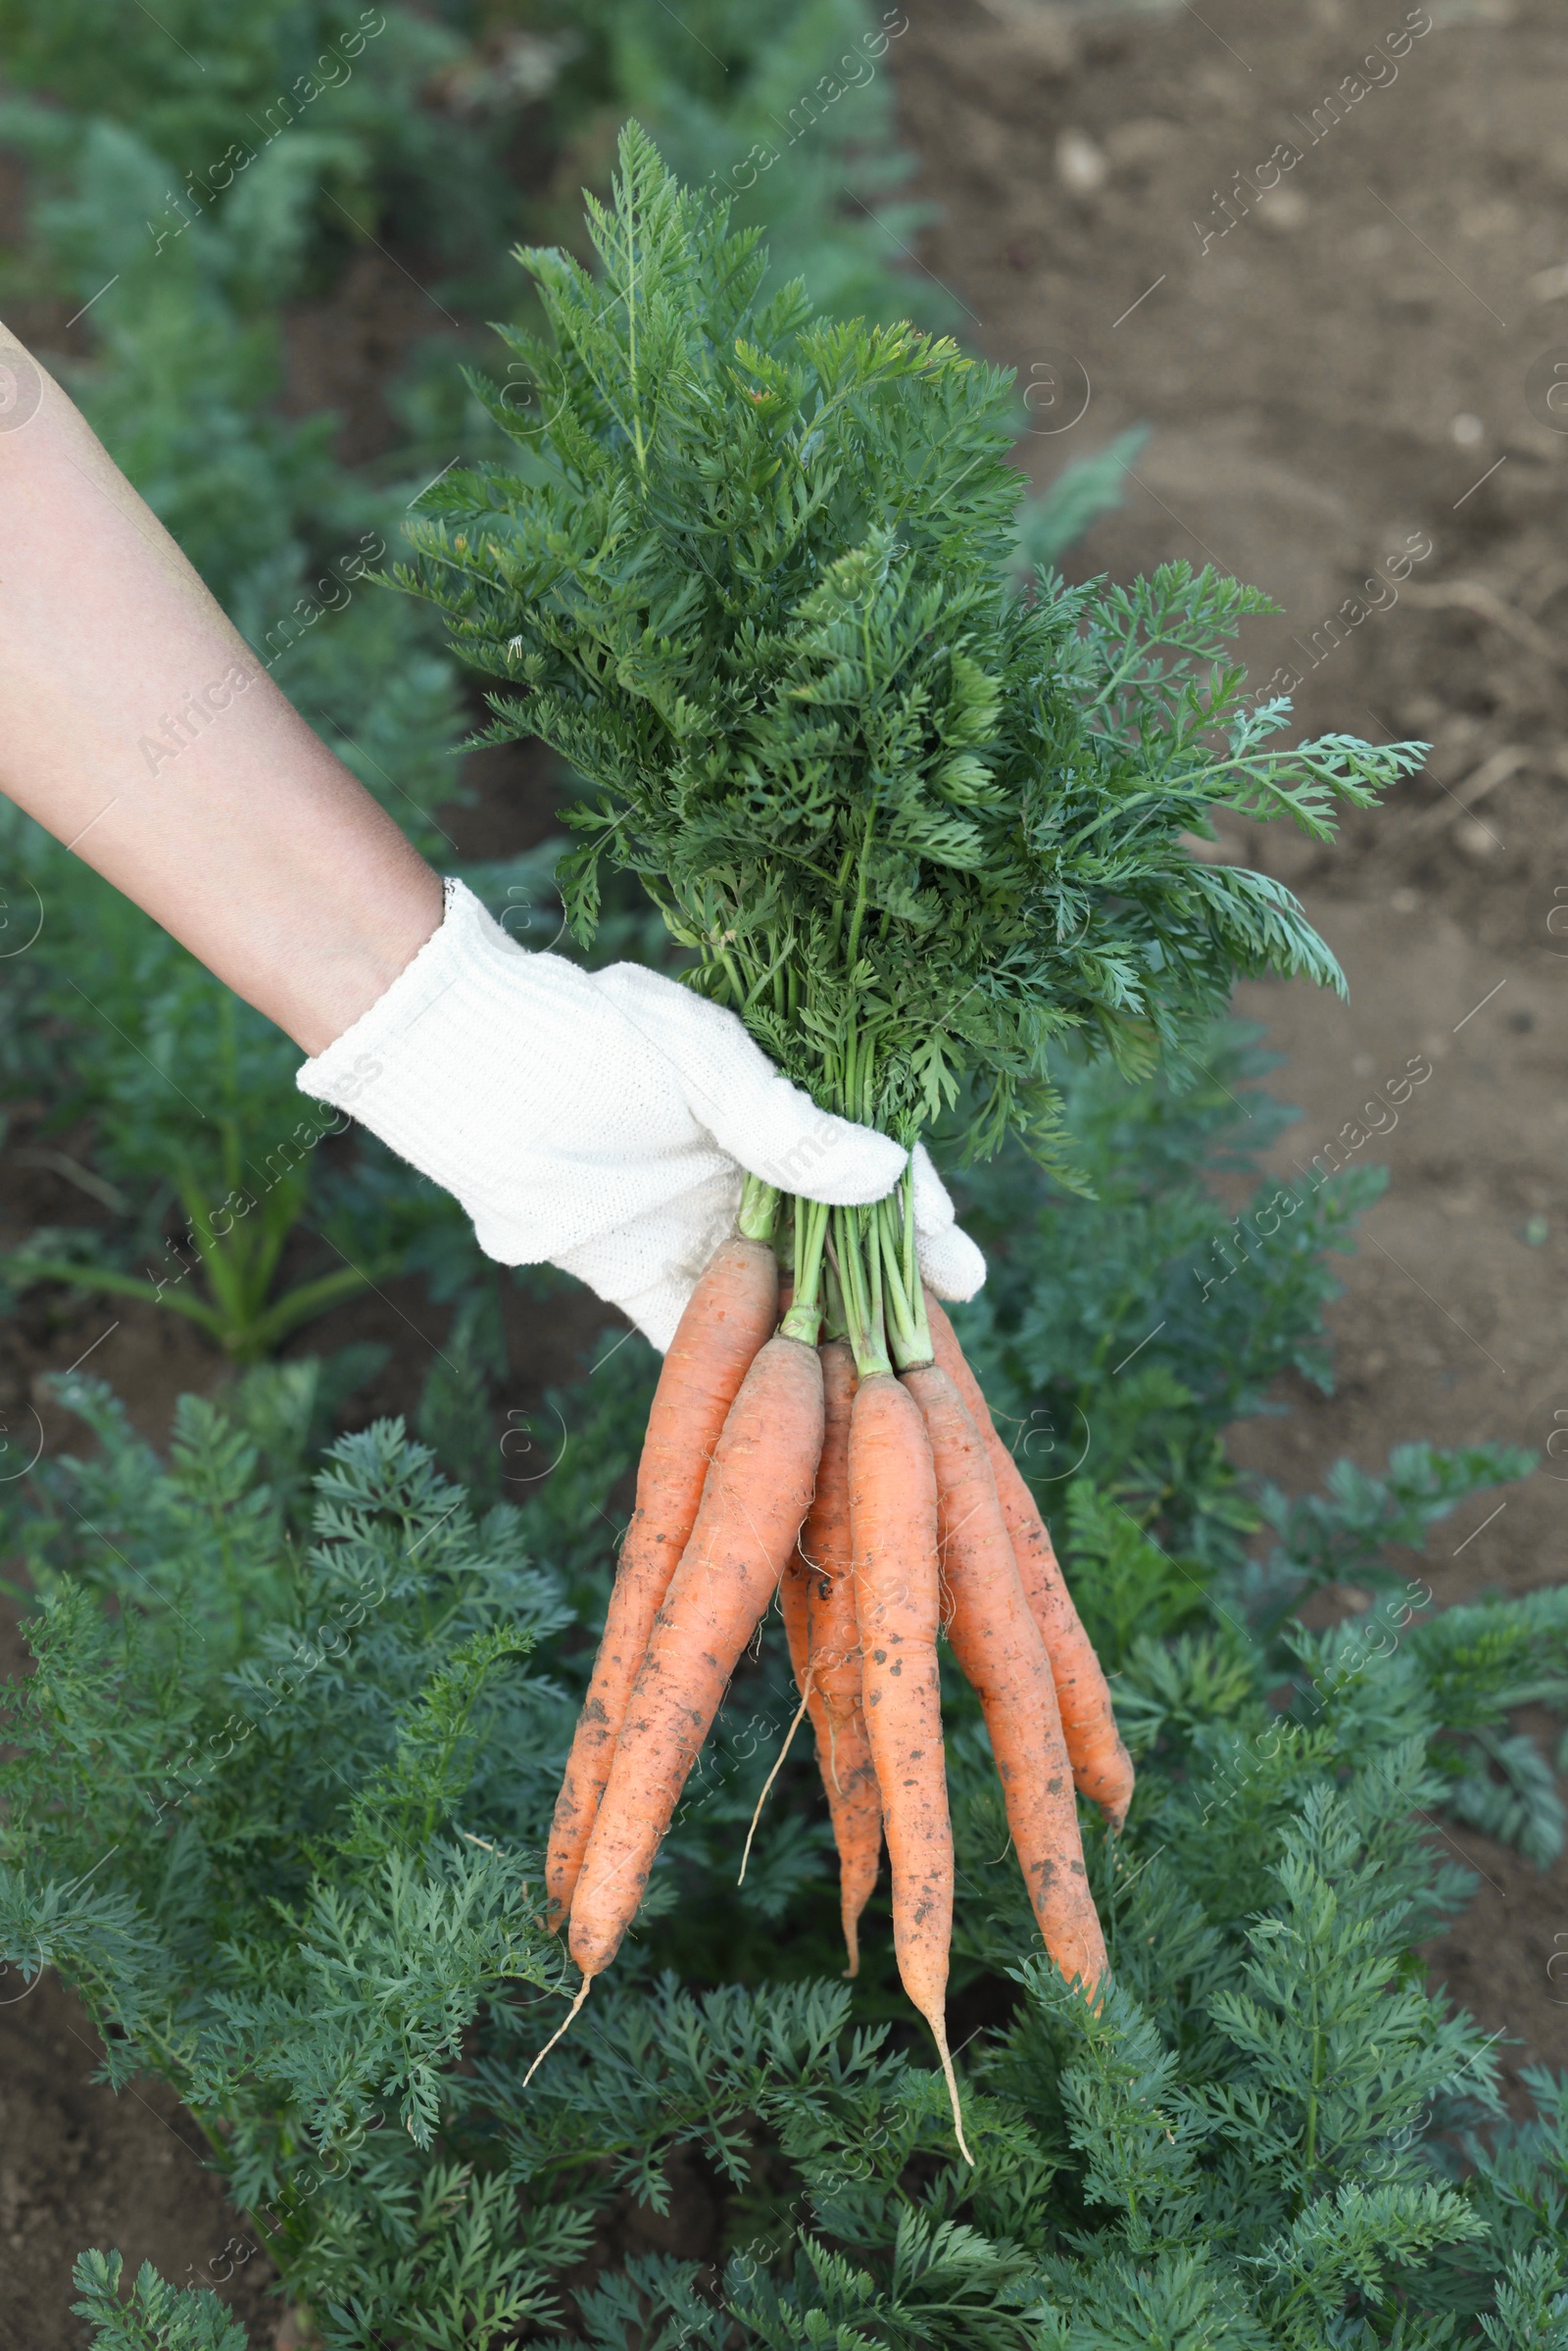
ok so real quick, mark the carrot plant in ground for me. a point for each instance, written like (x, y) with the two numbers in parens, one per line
(310, 1771)
(313, 1829)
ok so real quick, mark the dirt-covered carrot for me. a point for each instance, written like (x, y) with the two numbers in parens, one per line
(999, 1647)
(1101, 1764)
(893, 1516)
(727, 1321)
(758, 1490)
(817, 1597)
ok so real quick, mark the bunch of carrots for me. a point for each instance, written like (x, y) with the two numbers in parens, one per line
(920, 832)
(859, 1477)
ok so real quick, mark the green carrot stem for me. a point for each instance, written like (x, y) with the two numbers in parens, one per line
(845, 1264)
(840, 898)
(758, 1209)
(803, 1320)
(861, 1304)
(834, 1321)
(859, 916)
(913, 1285)
(736, 984)
(909, 1330)
(872, 1262)
(784, 1238)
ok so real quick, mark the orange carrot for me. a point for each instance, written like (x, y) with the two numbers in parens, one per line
(997, 1645)
(728, 1319)
(817, 1596)
(893, 1518)
(758, 1491)
(1101, 1764)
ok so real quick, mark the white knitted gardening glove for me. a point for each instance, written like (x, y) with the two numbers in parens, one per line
(600, 1122)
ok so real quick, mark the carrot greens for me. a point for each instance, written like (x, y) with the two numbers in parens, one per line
(748, 574)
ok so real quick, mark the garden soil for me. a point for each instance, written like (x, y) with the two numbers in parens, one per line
(1323, 256)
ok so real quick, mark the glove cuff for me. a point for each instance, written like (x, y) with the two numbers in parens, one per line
(461, 990)
(467, 1067)
(509, 1080)
(353, 1063)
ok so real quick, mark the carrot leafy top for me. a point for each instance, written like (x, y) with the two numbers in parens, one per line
(747, 576)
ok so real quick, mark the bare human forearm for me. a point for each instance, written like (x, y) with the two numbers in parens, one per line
(255, 847)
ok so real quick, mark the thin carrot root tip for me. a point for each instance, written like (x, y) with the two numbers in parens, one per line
(584, 1989)
(939, 2035)
(768, 1784)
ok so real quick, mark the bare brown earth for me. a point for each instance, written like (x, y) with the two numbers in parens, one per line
(1356, 365)
(1340, 370)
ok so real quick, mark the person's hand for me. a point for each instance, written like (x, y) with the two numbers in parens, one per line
(602, 1121)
